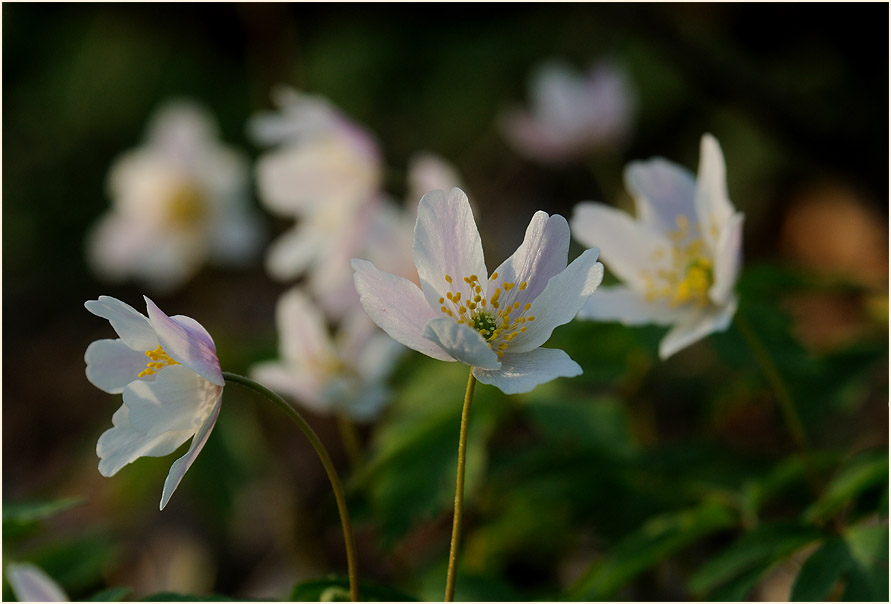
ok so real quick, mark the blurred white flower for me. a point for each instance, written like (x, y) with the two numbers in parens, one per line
(178, 201)
(31, 584)
(495, 324)
(173, 397)
(322, 171)
(341, 374)
(571, 113)
(679, 260)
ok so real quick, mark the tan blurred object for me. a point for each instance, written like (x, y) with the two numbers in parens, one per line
(830, 231)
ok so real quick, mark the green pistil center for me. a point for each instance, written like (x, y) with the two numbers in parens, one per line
(485, 324)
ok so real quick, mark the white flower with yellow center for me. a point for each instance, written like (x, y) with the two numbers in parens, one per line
(495, 323)
(168, 372)
(179, 201)
(679, 260)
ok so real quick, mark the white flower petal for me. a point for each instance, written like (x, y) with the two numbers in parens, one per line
(627, 247)
(293, 252)
(299, 382)
(713, 205)
(447, 242)
(561, 300)
(187, 342)
(182, 465)
(728, 256)
(397, 306)
(175, 400)
(111, 365)
(29, 583)
(523, 372)
(132, 326)
(123, 444)
(627, 306)
(662, 191)
(303, 333)
(542, 255)
(461, 342)
(695, 327)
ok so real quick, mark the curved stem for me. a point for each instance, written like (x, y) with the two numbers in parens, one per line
(459, 490)
(326, 462)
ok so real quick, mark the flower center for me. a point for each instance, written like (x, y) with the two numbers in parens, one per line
(691, 274)
(158, 361)
(496, 322)
(186, 208)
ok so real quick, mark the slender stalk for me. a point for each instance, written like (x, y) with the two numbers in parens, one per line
(349, 434)
(459, 491)
(326, 462)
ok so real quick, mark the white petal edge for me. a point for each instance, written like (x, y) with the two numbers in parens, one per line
(397, 306)
(132, 326)
(446, 242)
(560, 301)
(122, 444)
(662, 191)
(713, 205)
(696, 327)
(461, 342)
(302, 331)
(521, 373)
(30, 583)
(628, 307)
(728, 256)
(111, 365)
(175, 400)
(628, 248)
(186, 341)
(182, 465)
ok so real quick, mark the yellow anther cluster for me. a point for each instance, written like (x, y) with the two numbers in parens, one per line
(158, 361)
(496, 324)
(691, 274)
(186, 207)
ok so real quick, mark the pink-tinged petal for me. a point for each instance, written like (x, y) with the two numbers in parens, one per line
(696, 327)
(174, 400)
(522, 372)
(123, 444)
(728, 256)
(303, 333)
(561, 300)
(397, 306)
(536, 140)
(447, 242)
(542, 255)
(461, 342)
(630, 249)
(186, 342)
(713, 205)
(111, 365)
(627, 306)
(132, 326)
(182, 465)
(30, 584)
(662, 191)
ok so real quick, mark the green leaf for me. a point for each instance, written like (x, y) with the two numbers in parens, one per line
(24, 512)
(767, 543)
(656, 540)
(337, 589)
(169, 596)
(863, 473)
(112, 594)
(738, 589)
(868, 577)
(821, 571)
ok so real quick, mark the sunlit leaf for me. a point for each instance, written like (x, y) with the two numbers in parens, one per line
(821, 571)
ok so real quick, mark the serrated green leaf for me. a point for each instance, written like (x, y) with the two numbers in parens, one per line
(862, 474)
(768, 543)
(656, 540)
(337, 589)
(821, 571)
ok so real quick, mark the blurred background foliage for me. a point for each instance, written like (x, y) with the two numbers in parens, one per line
(639, 480)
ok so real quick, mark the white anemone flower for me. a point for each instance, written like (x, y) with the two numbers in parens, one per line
(496, 324)
(571, 113)
(679, 260)
(178, 201)
(30, 583)
(326, 374)
(168, 372)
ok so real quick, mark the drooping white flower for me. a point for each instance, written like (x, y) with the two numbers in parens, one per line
(30, 583)
(679, 260)
(344, 373)
(168, 372)
(178, 201)
(495, 323)
(571, 113)
(321, 172)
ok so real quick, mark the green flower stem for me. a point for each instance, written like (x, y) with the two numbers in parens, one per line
(326, 461)
(459, 491)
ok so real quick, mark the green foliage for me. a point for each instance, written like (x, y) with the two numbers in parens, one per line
(338, 590)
